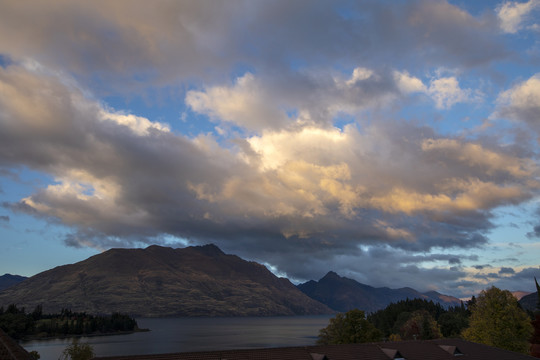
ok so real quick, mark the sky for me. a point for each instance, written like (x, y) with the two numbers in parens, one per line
(396, 143)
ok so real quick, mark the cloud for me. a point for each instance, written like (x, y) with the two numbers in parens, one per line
(473, 155)
(139, 125)
(246, 104)
(306, 189)
(513, 14)
(446, 92)
(483, 276)
(167, 43)
(481, 267)
(506, 270)
(521, 102)
(311, 162)
(311, 97)
(408, 84)
(359, 74)
(4, 219)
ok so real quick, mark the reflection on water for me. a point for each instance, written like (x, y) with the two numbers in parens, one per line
(196, 334)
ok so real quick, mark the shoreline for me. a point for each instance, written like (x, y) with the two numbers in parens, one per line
(68, 336)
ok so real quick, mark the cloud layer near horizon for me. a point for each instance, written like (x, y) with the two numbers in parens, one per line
(308, 166)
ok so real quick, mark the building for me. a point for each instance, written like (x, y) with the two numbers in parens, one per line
(442, 349)
(11, 350)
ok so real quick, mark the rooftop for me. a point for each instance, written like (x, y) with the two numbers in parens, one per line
(10, 349)
(442, 349)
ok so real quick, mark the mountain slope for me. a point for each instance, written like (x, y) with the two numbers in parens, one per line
(529, 302)
(160, 281)
(343, 294)
(8, 280)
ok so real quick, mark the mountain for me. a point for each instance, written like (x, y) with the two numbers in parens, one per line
(520, 294)
(343, 294)
(8, 280)
(529, 302)
(161, 281)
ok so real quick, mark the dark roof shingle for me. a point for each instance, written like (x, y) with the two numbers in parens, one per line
(442, 349)
(11, 350)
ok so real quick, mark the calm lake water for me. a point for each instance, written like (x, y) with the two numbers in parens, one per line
(196, 334)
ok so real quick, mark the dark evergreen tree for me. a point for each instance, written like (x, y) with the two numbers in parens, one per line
(535, 338)
(38, 312)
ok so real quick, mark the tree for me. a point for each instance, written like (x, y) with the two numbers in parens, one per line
(497, 320)
(78, 351)
(391, 319)
(38, 312)
(349, 328)
(535, 338)
(420, 325)
(453, 323)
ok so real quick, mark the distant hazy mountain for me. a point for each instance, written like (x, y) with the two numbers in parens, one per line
(520, 294)
(343, 294)
(8, 280)
(160, 281)
(528, 302)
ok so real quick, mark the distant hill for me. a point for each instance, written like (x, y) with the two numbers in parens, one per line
(343, 294)
(528, 302)
(8, 280)
(520, 294)
(161, 281)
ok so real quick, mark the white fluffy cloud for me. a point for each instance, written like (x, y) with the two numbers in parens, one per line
(408, 84)
(521, 102)
(307, 180)
(446, 92)
(246, 104)
(513, 14)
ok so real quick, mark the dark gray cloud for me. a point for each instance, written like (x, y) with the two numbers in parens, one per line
(535, 233)
(506, 270)
(517, 280)
(481, 267)
(4, 219)
(161, 44)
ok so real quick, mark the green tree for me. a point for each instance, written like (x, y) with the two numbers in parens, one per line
(391, 319)
(497, 320)
(77, 351)
(349, 328)
(453, 323)
(420, 325)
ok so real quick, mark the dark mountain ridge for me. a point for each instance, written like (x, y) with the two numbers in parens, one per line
(161, 281)
(8, 280)
(344, 294)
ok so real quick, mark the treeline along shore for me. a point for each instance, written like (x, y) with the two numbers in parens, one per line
(35, 325)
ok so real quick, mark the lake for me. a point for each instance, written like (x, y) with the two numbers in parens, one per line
(196, 334)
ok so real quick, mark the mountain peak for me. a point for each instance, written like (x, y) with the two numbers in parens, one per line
(331, 275)
(8, 280)
(343, 294)
(209, 249)
(161, 281)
